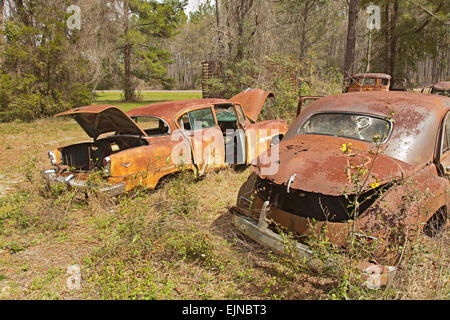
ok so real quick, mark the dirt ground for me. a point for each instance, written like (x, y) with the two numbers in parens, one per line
(174, 243)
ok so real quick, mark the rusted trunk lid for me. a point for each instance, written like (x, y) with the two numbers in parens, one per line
(320, 166)
(99, 119)
(251, 101)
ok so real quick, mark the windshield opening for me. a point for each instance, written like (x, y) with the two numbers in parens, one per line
(355, 126)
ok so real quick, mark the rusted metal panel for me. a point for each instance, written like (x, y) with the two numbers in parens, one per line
(170, 109)
(302, 101)
(259, 137)
(252, 101)
(381, 82)
(313, 188)
(415, 116)
(320, 165)
(99, 119)
(132, 158)
(372, 75)
(441, 88)
(443, 85)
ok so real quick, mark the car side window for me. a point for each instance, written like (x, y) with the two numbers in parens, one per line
(446, 135)
(198, 119)
(240, 114)
(184, 122)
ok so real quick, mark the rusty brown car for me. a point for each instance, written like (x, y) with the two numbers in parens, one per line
(369, 82)
(304, 102)
(313, 188)
(149, 142)
(441, 88)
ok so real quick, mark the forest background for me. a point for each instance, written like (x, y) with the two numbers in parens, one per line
(56, 54)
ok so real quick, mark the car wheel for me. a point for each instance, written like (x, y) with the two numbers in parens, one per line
(436, 223)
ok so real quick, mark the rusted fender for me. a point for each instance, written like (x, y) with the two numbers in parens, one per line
(147, 164)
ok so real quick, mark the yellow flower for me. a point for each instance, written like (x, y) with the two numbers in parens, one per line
(346, 148)
(374, 185)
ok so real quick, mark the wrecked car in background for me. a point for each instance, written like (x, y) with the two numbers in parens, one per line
(153, 141)
(369, 82)
(441, 88)
(305, 101)
(401, 139)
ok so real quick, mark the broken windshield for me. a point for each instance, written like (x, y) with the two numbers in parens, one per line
(355, 126)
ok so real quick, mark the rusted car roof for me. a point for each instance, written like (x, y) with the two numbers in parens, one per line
(320, 165)
(372, 75)
(443, 85)
(251, 100)
(168, 110)
(415, 119)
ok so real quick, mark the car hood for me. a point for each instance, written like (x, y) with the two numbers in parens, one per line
(99, 119)
(251, 101)
(320, 166)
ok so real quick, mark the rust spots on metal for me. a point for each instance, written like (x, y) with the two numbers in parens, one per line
(313, 181)
(369, 82)
(443, 85)
(252, 101)
(137, 157)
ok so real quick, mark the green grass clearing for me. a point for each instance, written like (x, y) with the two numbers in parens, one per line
(116, 98)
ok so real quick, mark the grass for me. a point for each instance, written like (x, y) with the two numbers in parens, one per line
(145, 97)
(177, 242)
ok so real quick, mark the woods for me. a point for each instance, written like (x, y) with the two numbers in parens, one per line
(291, 47)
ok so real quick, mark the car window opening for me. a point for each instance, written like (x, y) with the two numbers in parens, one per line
(152, 126)
(355, 126)
(234, 136)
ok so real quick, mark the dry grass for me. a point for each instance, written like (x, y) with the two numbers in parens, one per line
(173, 243)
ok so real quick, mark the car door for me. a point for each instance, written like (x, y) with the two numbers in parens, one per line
(231, 120)
(259, 136)
(445, 146)
(205, 138)
(249, 134)
(444, 159)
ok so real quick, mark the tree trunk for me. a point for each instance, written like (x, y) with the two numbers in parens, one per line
(241, 14)
(351, 38)
(394, 39)
(2, 6)
(304, 31)
(128, 88)
(129, 91)
(220, 29)
(387, 36)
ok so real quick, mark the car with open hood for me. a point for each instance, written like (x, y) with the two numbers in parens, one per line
(141, 146)
(390, 151)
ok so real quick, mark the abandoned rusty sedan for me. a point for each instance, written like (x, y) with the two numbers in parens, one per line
(369, 82)
(153, 141)
(442, 88)
(371, 167)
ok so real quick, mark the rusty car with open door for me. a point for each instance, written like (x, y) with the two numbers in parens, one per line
(141, 146)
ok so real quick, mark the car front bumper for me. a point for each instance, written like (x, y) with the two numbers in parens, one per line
(375, 276)
(70, 180)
